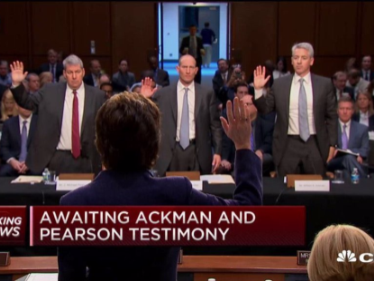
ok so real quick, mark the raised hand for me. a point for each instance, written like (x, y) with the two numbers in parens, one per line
(146, 90)
(17, 73)
(238, 128)
(259, 80)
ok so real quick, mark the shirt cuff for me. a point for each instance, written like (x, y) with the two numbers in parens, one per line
(259, 93)
(10, 159)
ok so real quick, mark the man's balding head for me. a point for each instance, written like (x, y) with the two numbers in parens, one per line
(187, 69)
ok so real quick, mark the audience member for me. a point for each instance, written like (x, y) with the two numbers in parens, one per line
(64, 137)
(128, 130)
(209, 37)
(104, 78)
(45, 78)
(193, 46)
(366, 72)
(305, 105)
(160, 76)
(5, 79)
(136, 88)
(281, 69)
(189, 125)
(227, 92)
(326, 262)
(107, 88)
(54, 67)
(93, 78)
(370, 88)
(364, 110)
(356, 82)
(123, 79)
(9, 108)
(353, 136)
(17, 134)
(351, 63)
(33, 83)
(221, 76)
(340, 80)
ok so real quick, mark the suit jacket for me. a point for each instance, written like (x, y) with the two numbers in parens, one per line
(358, 141)
(361, 86)
(59, 69)
(10, 144)
(207, 126)
(324, 109)
(120, 84)
(186, 44)
(49, 102)
(371, 75)
(356, 117)
(349, 90)
(141, 189)
(162, 78)
(218, 82)
(88, 79)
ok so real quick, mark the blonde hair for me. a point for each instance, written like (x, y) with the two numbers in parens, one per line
(8, 96)
(323, 264)
(45, 77)
(368, 96)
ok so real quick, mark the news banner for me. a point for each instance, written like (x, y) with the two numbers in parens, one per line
(152, 225)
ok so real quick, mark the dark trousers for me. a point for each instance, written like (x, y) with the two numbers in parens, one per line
(346, 163)
(64, 162)
(184, 160)
(7, 171)
(301, 158)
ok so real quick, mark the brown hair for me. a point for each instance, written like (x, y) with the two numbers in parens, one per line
(323, 264)
(8, 96)
(128, 132)
(368, 96)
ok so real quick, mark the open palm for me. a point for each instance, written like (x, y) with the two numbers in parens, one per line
(259, 80)
(146, 90)
(17, 72)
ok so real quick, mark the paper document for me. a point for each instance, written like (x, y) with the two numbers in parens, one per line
(342, 152)
(28, 179)
(197, 185)
(42, 277)
(212, 179)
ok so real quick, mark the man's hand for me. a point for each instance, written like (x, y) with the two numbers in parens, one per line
(226, 164)
(360, 160)
(24, 168)
(332, 154)
(17, 73)
(238, 128)
(260, 155)
(216, 162)
(16, 165)
(146, 90)
(259, 80)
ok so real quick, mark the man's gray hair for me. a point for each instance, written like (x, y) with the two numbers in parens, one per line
(304, 45)
(72, 60)
(31, 74)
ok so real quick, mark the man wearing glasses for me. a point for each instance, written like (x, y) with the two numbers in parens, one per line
(190, 127)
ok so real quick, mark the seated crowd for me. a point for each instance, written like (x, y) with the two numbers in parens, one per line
(193, 138)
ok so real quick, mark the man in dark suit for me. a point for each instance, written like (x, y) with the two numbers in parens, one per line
(128, 138)
(123, 79)
(93, 78)
(160, 76)
(64, 137)
(366, 72)
(190, 124)
(221, 76)
(193, 46)
(305, 134)
(352, 136)
(52, 66)
(340, 80)
(17, 134)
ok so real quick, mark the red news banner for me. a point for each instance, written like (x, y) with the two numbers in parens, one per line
(12, 225)
(167, 226)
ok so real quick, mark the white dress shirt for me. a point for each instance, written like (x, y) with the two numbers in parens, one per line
(20, 129)
(67, 117)
(191, 108)
(347, 129)
(344, 94)
(364, 118)
(293, 118)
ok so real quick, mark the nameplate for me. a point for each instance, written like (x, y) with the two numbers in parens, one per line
(303, 257)
(313, 185)
(198, 185)
(67, 185)
(4, 258)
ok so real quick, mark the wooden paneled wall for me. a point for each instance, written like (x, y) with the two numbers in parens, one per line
(119, 29)
(260, 31)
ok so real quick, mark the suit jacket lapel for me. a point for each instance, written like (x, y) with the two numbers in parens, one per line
(174, 103)
(340, 145)
(31, 130)
(17, 131)
(60, 103)
(88, 107)
(198, 100)
(315, 92)
(352, 132)
(286, 98)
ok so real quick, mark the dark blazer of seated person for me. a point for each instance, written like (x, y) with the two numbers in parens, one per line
(227, 92)
(58, 69)
(129, 183)
(11, 142)
(364, 110)
(358, 141)
(356, 117)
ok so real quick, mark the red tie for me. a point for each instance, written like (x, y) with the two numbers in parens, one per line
(75, 141)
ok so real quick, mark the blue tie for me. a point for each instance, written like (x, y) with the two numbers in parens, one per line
(185, 124)
(23, 155)
(303, 113)
(344, 137)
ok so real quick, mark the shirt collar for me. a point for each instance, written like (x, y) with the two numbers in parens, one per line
(348, 124)
(23, 119)
(364, 114)
(70, 90)
(306, 78)
(190, 87)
